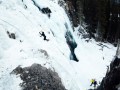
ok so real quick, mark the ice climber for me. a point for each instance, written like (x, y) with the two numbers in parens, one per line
(93, 82)
(43, 34)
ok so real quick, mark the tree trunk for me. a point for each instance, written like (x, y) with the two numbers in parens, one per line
(118, 49)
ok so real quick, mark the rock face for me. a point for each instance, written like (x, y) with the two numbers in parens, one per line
(37, 77)
(113, 76)
(74, 9)
(112, 79)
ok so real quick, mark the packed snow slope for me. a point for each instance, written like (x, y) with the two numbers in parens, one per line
(25, 19)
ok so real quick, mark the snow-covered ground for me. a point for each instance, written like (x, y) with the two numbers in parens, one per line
(24, 19)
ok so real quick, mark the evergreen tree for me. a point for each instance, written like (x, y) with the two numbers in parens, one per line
(103, 18)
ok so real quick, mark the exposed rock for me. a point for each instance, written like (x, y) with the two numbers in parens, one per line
(71, 9)
(37, 77)
(46, 11)
(112, 79)
(11, 35)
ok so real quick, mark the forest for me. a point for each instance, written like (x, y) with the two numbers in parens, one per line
(102, 18)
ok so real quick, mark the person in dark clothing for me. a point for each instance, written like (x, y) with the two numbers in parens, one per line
(95, 84)
(43, 34)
